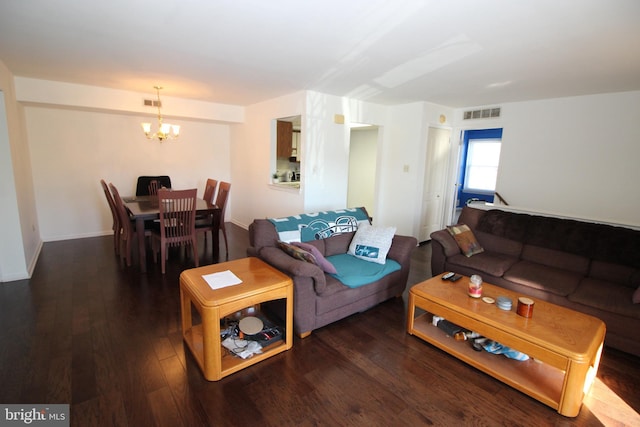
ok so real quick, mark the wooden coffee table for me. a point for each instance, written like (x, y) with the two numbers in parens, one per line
(261, 283)
(564, 346)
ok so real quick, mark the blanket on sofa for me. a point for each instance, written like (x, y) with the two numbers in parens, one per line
(355, 272)
(319, 225)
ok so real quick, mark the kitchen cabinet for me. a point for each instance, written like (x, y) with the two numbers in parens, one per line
(284, 139)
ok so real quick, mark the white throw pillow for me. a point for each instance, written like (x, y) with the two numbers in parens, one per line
(372, 243)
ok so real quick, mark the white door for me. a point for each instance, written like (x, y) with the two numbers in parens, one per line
(435, 179)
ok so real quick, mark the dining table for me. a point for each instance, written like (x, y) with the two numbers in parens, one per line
(146, 208)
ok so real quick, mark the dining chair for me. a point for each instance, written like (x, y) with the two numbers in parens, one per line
(142, 186)
(177, 223)
(126, 231)
(205, 223)
(221, 202)
(154, 185)
(114, 216)
(210, 190)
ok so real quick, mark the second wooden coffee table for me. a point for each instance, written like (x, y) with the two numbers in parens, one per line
(564, 345)
(261, 283)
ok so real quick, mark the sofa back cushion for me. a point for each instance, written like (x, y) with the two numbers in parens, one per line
(557, 259)
(617, 245)
(470, 217)
(615, 273)
(512, 226)
(338, 244)
(601, 242)
(262, 233)
(497, 244)
(564, 235)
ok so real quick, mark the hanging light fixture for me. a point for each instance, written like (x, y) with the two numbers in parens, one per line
(165, 130)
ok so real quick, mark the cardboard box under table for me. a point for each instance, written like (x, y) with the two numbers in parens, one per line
(261, 284)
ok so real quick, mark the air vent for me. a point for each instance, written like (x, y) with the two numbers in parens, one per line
(152, 103)
(484, 113)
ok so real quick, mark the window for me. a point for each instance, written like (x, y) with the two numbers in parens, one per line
(482, 164)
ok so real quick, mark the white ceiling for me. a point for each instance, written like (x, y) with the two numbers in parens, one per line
(455, 53)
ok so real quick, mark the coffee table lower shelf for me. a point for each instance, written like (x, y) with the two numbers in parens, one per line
(229, 363)
(539, 380)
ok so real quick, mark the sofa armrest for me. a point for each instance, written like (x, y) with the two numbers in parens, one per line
(293, 267)
(443, 245)
(447, 241)
(401, 248)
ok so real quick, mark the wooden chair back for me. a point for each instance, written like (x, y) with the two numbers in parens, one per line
(114, 215)
(177, 216)
(210, 190)
(154, 186)
(127, 230)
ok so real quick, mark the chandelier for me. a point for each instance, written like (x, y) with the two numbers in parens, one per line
(165, 130)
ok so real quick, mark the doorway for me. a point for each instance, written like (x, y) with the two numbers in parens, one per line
(363, 161)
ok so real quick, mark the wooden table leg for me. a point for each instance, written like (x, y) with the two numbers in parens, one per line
(142, 253)
(411, 312)
(215, 250)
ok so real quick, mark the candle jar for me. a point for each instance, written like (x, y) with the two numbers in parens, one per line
(525, 307)
(475, 286)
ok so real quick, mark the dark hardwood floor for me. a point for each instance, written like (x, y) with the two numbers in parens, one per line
(87, 331)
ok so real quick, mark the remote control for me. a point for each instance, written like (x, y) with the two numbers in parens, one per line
(455, 277)
(447, 276)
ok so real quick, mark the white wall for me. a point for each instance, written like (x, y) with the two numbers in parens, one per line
(20, 242)
(324, 155)
(399, 165)
(252, 162)
(71, 150)
(575, 157)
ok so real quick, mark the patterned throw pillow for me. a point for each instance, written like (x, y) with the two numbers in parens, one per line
(372, 243)
(297, 253)
(465, 239)
(321, 261)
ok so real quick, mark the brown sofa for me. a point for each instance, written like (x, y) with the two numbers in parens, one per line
(319, 298)
(588, 267)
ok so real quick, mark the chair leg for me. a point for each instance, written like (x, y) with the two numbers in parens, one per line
(154, 249)
(194, 246)
(163, 255)
(116, 241)
(206, 238)
(226, 245)
(127, 254)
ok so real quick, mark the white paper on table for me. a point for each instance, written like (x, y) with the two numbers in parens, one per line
(221, 279)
